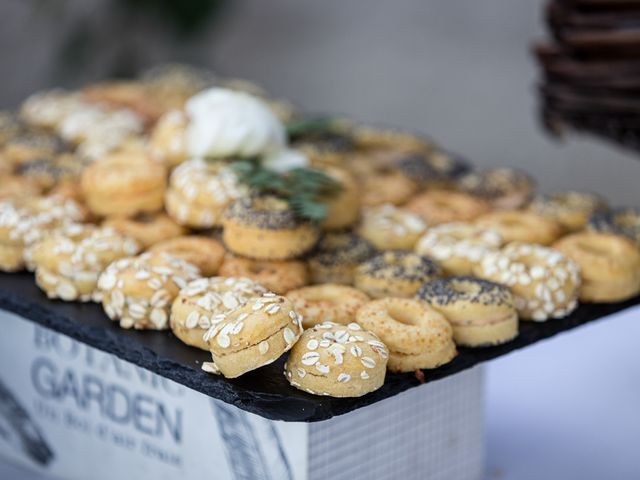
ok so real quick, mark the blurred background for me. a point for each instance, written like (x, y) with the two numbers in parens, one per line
(459, 71)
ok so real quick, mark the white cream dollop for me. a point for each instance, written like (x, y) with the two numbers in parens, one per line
(225, 123)
(284, 160)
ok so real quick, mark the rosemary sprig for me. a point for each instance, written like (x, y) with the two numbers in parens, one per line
(305, 189)
(301, 127)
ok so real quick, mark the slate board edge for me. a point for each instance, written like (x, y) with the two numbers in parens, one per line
(265, 405)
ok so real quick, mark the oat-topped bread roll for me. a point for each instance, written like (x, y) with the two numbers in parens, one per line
(337, 361)
(25, 221)
(199, 191)
(206, 301)
(545, 283)
(252, 335)
(138, 291)
(388, 228)
(458, 246)
(69, 261)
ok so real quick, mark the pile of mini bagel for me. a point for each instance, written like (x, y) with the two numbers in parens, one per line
(123, 193)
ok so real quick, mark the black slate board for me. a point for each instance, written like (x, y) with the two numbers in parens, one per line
(264, 391)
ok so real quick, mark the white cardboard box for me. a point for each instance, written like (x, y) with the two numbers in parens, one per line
(77, 412)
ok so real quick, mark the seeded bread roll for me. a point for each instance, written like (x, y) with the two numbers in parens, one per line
(147, 230)
(199, 191)
(69, 261)
(327, 303)
(138, 291)
(265, 228)
(205, 253)
(609, 264)
(395, 273)
(522, 226)
(620, 221)
(458, 246)
(207, 301)
(253, 335)
(544, 282)
(337, 361)
(417, 335)
(337, 256)
(482, 313)
(504, 188)
(570, 209)
(389, 228)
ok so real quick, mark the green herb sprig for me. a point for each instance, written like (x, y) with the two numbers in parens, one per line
(305, 189)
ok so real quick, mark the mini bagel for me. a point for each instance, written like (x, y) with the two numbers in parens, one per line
(327, 303)
(26, 220)
(337, 256)
(253, 335)
(444, 206)
(124, 184)
(449, 165)
(69, 261)
(620, 221)
(570, 209)
(137, 292)
(205, 253)
(337, 361)
(10, 126)
(458, 246)
(610, 265)
(205, 302)
(147, 230)
(167, 140)
(504, 188)
(417, 335)
(395, 273)
(50, 171)
(199, 191)
(14, 187)
(482, 313)
(389, 228)
(278, 276)
(265, 228)
(521, 226)
(31, 145)
(384, 184)
(370, 139)
(343, 209)
(544, 282)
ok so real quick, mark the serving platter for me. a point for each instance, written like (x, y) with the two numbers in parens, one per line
(265, 391)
